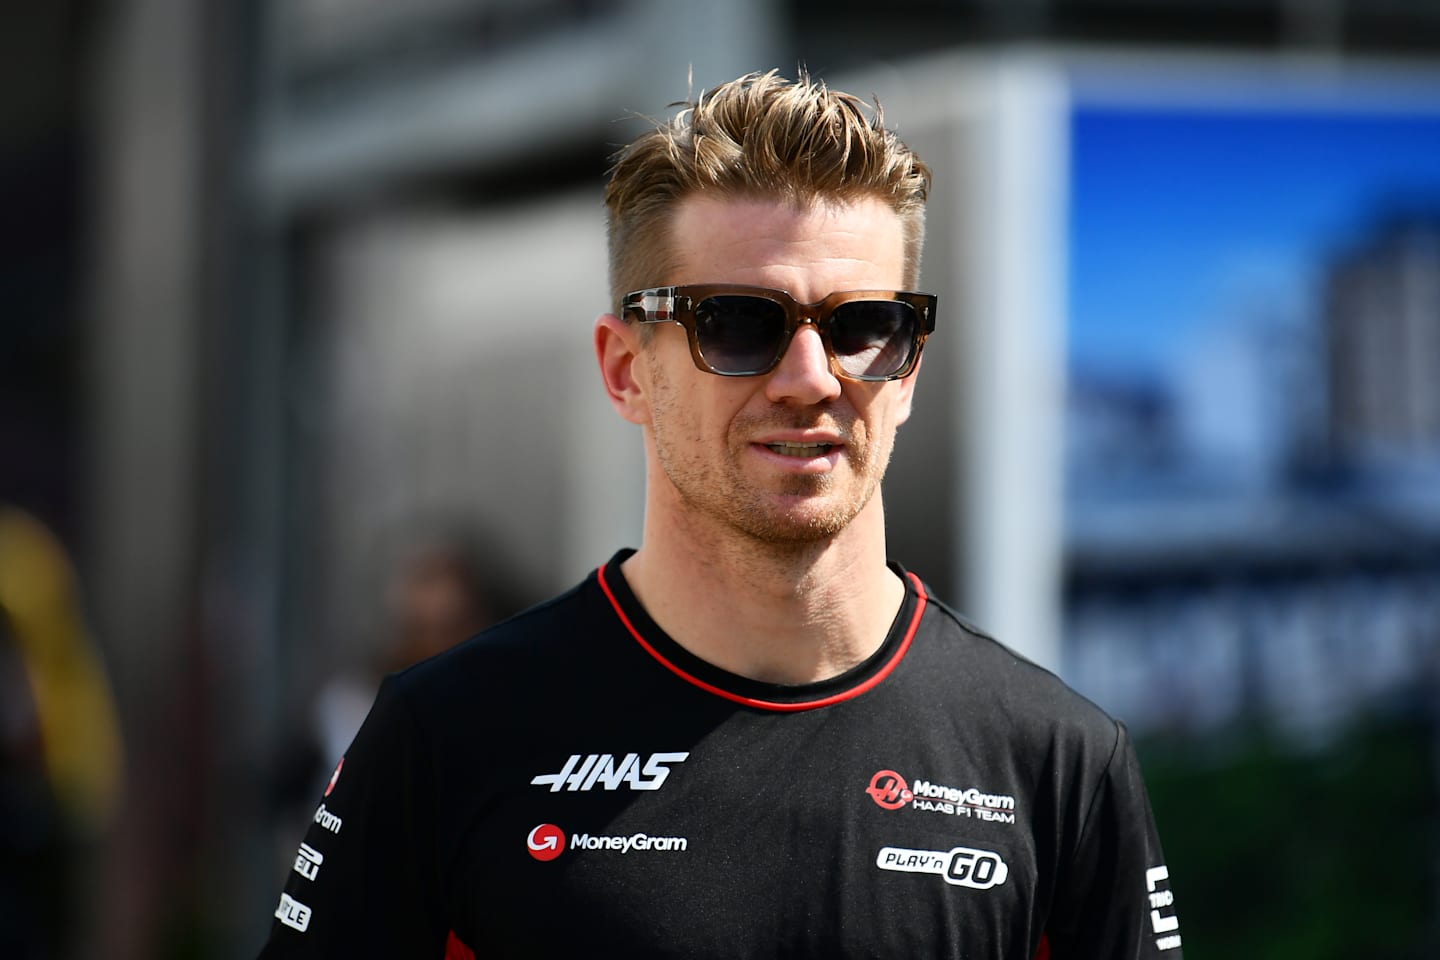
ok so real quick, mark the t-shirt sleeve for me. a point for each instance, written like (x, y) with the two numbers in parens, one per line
(1117, 903)
(364, 881)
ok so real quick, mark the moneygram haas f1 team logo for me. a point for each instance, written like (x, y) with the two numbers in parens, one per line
(891, 791)
(888, 789)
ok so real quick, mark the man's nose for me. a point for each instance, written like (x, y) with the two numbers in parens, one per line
(803, 374)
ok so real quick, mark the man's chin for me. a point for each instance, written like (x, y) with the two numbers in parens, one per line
(799, 522)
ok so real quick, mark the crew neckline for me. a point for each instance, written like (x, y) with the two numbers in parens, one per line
(758, 694)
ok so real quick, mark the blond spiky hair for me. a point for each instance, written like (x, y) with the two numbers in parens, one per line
(763, 136)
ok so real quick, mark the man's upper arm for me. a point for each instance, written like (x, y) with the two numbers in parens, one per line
(364, 879)
(1117, 901)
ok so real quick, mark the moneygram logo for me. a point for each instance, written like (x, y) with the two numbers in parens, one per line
(546, 842)
(887, 788)
(959, 866)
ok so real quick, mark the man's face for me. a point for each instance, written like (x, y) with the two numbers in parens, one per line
(792, 456)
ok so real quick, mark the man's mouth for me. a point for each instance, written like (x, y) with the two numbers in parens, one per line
(801, 450)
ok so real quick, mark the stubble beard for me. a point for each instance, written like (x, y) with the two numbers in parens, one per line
(718, 495)
(799, 514)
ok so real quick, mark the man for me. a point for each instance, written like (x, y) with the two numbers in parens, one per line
(750, 736)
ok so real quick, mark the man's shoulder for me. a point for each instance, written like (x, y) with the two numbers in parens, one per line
(508, 652)
(989, 672)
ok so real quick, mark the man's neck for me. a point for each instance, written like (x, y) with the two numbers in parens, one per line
(780, 613)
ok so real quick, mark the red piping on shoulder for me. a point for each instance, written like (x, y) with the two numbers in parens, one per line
(455, 950)
(869, 684)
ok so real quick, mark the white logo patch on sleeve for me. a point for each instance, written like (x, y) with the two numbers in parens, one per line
(293, 913)
(1162, 908)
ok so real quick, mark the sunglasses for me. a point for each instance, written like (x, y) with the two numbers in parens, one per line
(738, 331)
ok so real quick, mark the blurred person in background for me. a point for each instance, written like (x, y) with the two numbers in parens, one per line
(753, 735)
(437, 592)
(60, 756)
(437, 595)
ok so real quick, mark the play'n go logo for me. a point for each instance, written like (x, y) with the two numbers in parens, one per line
(959, 866)
(887, 788)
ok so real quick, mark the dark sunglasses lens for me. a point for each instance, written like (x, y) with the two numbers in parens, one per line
(873, 338)
(739, 334)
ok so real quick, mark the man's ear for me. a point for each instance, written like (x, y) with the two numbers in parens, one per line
(617, 350)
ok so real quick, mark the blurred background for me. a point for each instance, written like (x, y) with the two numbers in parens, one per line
(296, 388)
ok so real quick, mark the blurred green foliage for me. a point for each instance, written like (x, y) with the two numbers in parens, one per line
(1279, 851)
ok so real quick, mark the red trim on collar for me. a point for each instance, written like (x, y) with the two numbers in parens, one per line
(855, 691)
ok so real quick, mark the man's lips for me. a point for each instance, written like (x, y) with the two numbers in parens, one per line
(814, 448)
(806, 450)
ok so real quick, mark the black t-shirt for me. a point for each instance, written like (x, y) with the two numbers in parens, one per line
(573, 782)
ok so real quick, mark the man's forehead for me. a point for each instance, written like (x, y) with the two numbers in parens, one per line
(803, 213)
(737, 239)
